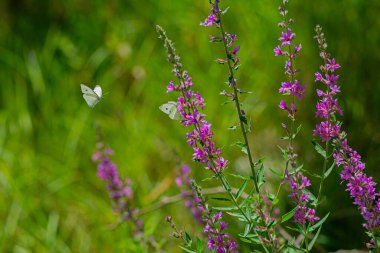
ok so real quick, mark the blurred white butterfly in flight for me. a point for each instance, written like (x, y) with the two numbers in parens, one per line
(170, 108)
(92, 97)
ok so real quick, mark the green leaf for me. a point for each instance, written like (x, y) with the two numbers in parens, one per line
(276, 173)
(287, 216)
(208, 179)
(285, 153)
(243, 147)
(225, 183)
(225, 10)
(319, 223)
(314, 239)
(327, 173)
(297, 131)
(275, 201)
(224, 208)
(232, 128)
(297, 229)
(222, 199)
(271, 196)
(312, 174)
(272, 223)
(238, 215)
(199, 245)
(247, 229)
(241, 189)
(319, 149)
(187, 250)
(187, 239)
(239, 176)
(260, 176)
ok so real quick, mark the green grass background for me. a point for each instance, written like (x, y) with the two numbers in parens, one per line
(51, 199)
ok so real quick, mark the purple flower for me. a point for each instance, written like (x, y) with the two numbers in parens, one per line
(298, 182)
(277, 51)
(287, 37)
(331, 65)
(120, 192)
(360, 186)
(210, 20)
(170, 87)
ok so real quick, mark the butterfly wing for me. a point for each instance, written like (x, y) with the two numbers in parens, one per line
(98, 91)
(170, 108)
(174, 113)
(90, 96)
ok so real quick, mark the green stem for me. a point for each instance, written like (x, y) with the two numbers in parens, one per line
(237, 103)
(242, 124)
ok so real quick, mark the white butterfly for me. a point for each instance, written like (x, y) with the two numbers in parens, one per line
(92, 97)
(170, 108)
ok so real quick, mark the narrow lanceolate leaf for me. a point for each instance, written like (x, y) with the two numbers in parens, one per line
(224, 208)
(221, 199)
(319, 223)
(238, 215)
(243, 147)
(187, 239)
(260, 176)
(239, 176)
(247, 230)
(327, 173)
(287, 216)
(285, 153)
(241, 189)
(297, 131)
(314, 239)
(187, 250)
(319, 149)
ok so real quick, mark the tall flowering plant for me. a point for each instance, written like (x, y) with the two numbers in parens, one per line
(293, 88)
(251, 207)
(360, 186)
(190, 105)
(122, 196)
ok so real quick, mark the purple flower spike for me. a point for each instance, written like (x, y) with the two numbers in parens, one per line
(120, 191)
(360, 186)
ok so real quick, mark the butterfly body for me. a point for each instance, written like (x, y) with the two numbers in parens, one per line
(170, 108)
(92, 97)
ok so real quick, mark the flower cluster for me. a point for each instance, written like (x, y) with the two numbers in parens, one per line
(213, 18)
(192, 200)
(120, 192)
(361, 187)
(214, 227)
(290, 51)
(217, 239)
(189, 105)
(298, 183)
(327, 106)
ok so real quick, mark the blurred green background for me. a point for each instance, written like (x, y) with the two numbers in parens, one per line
(51, 199)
